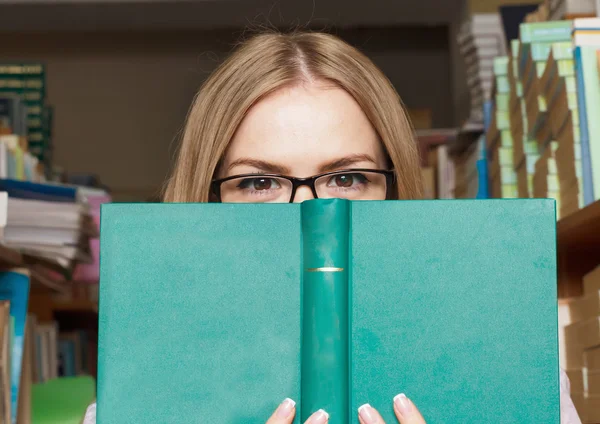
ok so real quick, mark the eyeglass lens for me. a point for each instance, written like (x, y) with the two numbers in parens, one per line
(348, 185)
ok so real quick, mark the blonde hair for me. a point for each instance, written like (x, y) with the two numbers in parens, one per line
(271, 61)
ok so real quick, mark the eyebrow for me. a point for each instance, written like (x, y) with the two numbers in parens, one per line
(273, 168)
(263, 166)
(345, 162)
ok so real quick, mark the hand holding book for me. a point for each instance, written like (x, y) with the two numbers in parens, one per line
(406, 413)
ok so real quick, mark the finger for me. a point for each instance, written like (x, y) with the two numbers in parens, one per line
(369, 415)
(406, 411)
(284, 414)
(319, 417)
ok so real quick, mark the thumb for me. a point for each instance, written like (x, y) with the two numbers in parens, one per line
(406, 411)
(284, 414)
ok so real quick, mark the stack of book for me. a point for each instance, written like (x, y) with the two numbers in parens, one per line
(56, 353)
(23, 111)
(50, 223)
(480, 39)
(545, 115)
(48, 239)
(535, 42)
(553, 72)
(443, 170)
(15, 386)
(580, 350)
(47, 233)
(586, 39)
(16, 162)
(556, 10)
(570, 9)
(466, 172)
(503, 179)
(522, 146)
(545, 182)
(558, 88)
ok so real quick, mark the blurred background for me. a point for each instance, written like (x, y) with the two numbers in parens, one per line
(120, 76)
(504, 96)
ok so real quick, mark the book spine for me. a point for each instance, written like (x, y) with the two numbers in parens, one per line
(588, 184)
(325, 311)
(14, 286)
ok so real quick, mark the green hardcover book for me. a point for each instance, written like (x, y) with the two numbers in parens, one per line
(560, 51)
(502, 102)
(501, 65)
(214, 313)
(506, 139)
(502, 120)
(591, 84)
(502, 84)
(552, 31)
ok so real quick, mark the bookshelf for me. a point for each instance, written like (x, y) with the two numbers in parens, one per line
(578, 240)
(49, 250)
(541, 139)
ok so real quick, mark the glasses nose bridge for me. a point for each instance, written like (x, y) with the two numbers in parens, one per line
(300, 182)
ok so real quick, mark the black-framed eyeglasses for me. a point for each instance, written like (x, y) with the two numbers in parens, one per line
(351, 184)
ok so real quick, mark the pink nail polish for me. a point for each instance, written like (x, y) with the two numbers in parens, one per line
(367, 414)
(285, 409)
(403, 405)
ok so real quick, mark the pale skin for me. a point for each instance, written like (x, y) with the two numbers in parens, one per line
(300, 131)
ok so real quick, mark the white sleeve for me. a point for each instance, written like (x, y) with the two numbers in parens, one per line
(568, 413)
(90, 415)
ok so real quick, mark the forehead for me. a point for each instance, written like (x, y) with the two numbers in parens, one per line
(303, 124)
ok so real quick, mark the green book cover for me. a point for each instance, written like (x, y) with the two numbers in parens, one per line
(214, 313)
(514, 48)
(508, 176)
(502, 120)
(502, 84)
(540, 51)
(566, 67)
(552, 31)
(500, 65)
(505, 156)
(562, 50)
(506, 139)
(502, 101)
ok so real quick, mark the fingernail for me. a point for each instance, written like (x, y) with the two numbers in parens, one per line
(285, 409)
(320, 417)
(367, 414)
(403, 404)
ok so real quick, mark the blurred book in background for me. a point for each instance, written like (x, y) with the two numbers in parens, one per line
(480, 39)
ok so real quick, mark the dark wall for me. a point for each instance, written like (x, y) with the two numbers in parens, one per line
(121, 98)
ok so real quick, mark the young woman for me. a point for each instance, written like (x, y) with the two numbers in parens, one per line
(292, 117)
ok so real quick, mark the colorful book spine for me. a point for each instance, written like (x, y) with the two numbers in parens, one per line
(14, 286)
(587, 127)
(588, 181)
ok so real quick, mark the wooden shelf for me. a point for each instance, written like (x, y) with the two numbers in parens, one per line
(75, 306)
(10, 257)
(40, 277)
(578, 239)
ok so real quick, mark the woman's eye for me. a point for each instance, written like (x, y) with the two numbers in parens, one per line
(346, 180)
(259, 184)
